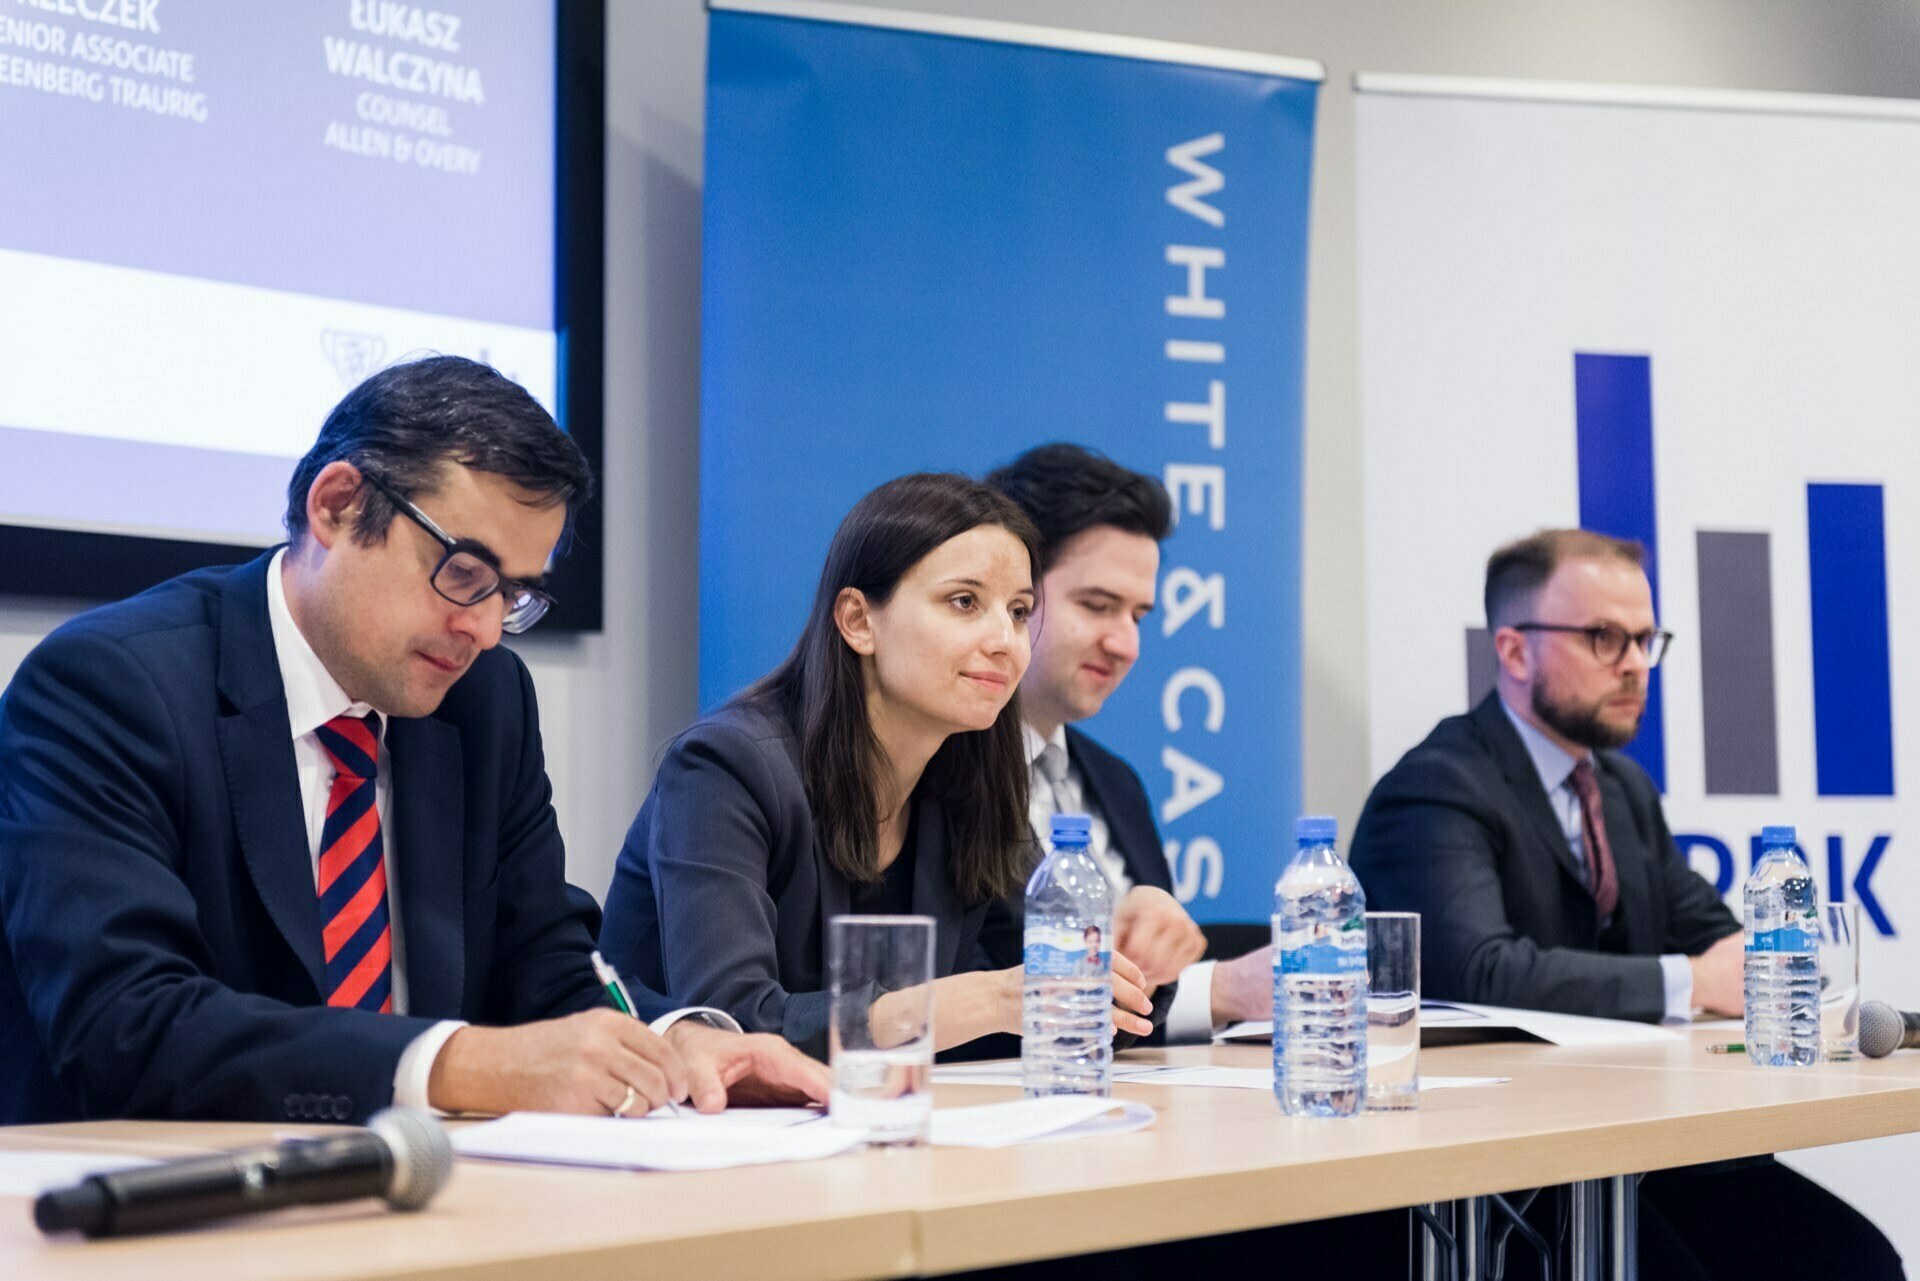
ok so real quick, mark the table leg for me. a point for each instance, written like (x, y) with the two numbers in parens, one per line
(1463, 1257)
(1437, 1261)
(1589, 1229)
(1623, 1195)
(1470, 1235)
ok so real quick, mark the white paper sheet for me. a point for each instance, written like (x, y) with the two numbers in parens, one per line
(1232, 1078)
(764, 1136)
(1067, 1116)
(1719, 1025)
(691, 1143)
(31, 1172)
(1556, 1029)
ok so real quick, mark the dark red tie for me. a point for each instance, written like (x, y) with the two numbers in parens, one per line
(1601, 877)
(353, 872)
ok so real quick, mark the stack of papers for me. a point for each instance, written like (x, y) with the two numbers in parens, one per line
(1456, 1022)
(762, 1136)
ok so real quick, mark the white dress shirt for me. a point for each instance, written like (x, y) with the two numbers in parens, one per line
(314, 697)
(1054, 786)
(1555, 767)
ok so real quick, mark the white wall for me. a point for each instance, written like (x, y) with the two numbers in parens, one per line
(611, 701)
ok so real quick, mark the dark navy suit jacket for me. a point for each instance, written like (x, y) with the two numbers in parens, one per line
(161, 932)
(1461, 832)
(721, 896)
(1115, 791)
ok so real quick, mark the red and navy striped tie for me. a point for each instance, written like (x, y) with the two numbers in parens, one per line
(353, 873)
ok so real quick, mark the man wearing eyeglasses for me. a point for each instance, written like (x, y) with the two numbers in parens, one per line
(1537, 853)
(276, 840)
(1540, 862)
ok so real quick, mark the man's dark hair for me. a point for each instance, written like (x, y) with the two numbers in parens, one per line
(1517, 571)
(1065, 489)
(404, 423)
(980, 775)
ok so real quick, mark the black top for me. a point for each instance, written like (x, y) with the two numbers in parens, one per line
(892, 894)
(721, 896)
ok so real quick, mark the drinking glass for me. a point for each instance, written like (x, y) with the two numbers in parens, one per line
(1393, 1011)
(880, 1025)
(1839, 981)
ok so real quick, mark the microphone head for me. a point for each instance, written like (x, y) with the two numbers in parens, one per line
(1880, 1029)
(422, 1155)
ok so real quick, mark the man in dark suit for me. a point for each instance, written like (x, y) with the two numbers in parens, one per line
(276, 841)
(1540, 862)
(1101, 525)
(1538, 855)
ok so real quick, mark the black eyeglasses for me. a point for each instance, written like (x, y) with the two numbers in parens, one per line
(1610, 642)
(465, 577)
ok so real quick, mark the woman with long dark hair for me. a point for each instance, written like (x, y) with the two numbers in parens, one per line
(878, 769)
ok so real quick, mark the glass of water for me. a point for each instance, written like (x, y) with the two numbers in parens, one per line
(880, 1034)
(1393, 1011)
(1839, 981)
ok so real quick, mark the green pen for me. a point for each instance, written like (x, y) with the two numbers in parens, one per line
(1732, 1047)
(617, 993)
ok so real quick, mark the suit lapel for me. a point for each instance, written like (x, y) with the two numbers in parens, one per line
(933, 885)
(1139, 849)
(1630, 869)
(256, 752)
(429, 849)
(1518, 769)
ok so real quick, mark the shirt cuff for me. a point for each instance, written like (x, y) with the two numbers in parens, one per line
(1677, 976)
(706, 1014)
(1190, 1020)
(415, 1070)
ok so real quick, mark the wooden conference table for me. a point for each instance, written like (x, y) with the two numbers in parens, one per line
(1216, 1160)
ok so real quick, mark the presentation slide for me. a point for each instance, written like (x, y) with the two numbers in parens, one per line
(220, 215)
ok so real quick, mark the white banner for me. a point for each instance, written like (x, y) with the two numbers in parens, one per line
(1685, 317)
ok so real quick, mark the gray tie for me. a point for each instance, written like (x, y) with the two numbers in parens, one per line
(1052, 763)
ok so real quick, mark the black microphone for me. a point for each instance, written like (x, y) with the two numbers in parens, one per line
(1884, 1029)
(403, 1155)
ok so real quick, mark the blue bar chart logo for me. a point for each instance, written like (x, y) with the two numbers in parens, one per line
(1847, 615)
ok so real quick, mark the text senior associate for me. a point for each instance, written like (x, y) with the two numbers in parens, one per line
(878, 769)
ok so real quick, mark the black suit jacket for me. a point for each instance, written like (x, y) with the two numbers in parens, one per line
(721, 895)
(1114, 790)
(161, 928)
(1461, 831)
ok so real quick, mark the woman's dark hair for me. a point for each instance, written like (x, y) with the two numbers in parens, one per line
(1067, 489)
(980, 776)
(405, 421)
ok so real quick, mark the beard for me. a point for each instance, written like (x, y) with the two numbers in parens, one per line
(1583, 725)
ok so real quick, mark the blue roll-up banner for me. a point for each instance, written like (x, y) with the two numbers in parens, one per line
(932, 243)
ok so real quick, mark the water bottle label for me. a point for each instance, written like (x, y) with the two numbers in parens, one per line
(1321, 947)
(1788, 938)
(1060, 952)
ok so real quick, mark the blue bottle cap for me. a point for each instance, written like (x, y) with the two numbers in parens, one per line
(1776, 834)
(1317, 828)
(1071, 829)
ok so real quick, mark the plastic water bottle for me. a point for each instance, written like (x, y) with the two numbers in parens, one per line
(1066, 1007)
(1319, 979)
(1783, 956)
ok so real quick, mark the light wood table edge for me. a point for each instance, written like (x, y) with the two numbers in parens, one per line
(990, 1233)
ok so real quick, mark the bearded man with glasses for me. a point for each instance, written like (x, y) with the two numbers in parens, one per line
(1540, 861)
(276, 840)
